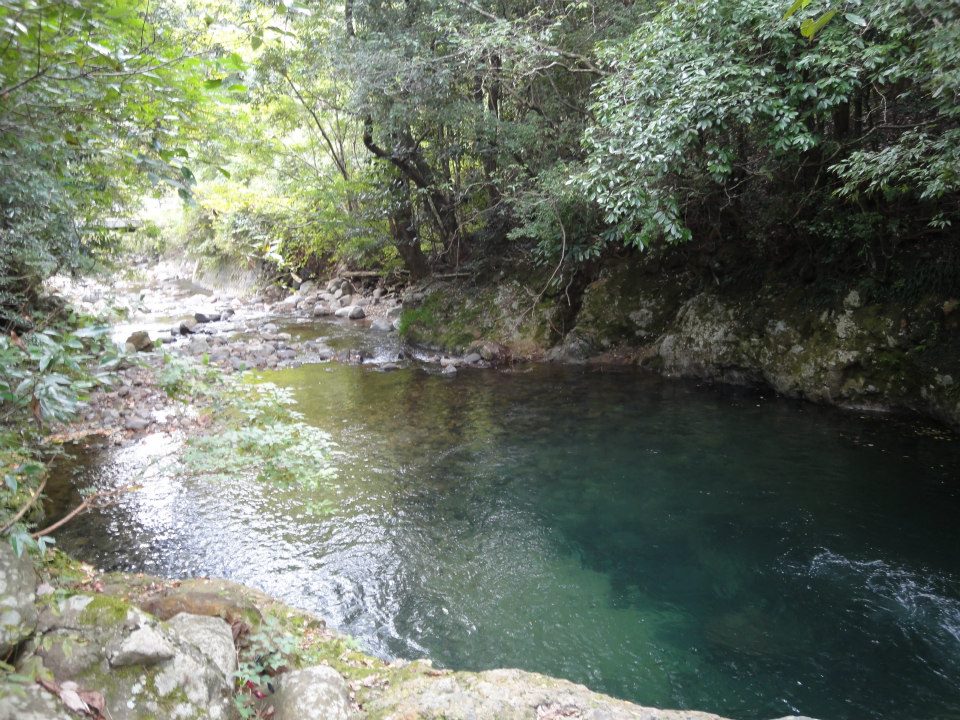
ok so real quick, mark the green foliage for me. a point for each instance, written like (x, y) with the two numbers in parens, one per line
(259, 435)
(270, 651)
(95, 99)
(46, 375)
(706, 102)
(44, 379)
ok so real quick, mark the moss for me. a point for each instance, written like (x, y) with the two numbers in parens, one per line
(104, 610)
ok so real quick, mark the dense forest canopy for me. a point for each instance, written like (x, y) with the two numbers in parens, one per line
(437, 135)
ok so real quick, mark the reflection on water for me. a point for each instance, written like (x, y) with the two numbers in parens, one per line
(675, 546)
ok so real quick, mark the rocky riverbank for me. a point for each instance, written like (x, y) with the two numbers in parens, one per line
(131, 647)
(846, 348)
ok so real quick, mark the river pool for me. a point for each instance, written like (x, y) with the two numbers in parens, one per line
(678, 546)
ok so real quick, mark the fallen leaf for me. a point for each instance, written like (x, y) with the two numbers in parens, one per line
(71, 698)
(95, 701)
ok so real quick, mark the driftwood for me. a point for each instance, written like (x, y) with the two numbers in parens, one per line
(361, 274)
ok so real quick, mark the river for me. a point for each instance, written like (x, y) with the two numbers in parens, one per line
(674, 545)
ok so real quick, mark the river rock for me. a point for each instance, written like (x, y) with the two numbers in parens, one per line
(381, 325)
(18, 584)
(472, 359)
(206, 317)
(136, 423)
(198, 345)
(509, 695)
(144, 668)
(314, 693)
(188, 326)
(140, 341)
(394, 312)
(144, 646)
(345, 300)
(211, 635)
(322, 310)
(22, 701)
(342, 312)
(449, 370)
(356, 313)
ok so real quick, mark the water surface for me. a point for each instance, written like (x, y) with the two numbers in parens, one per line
(672, 545)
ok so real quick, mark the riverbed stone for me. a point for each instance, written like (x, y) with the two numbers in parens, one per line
(314, 693)
(187, 326)
(381, 325)
(509, 695)
(18, 584)
(136, 423)
(211, 635)
(322, 310)
(198, 345)
(472, 359)
(140, 341)
(207, 316)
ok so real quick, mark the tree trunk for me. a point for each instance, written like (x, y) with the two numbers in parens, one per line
(404, 230)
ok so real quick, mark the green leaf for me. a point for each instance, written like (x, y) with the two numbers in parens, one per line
(797, 6)
(856, 19)
(810, 27)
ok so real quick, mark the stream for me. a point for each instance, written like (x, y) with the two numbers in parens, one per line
(674, 545)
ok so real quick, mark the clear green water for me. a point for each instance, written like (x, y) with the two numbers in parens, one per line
(676, 546)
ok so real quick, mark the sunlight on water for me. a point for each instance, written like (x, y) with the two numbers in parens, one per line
(679, 547)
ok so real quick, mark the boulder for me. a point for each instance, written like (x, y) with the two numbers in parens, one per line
(188, 326)
(206, 317)
(144, 668)
(381, 325)
(140, 341)
(18, 585)
(509, 695)
(322, 310)
(473, 359)
(356, 313)
(136, 423)
(198, 346)
(345, 300)
(314, 693)
(449, 370)
(29, 701)
(211, 635)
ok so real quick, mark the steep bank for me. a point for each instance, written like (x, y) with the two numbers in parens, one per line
(842, 348)
(132, 647)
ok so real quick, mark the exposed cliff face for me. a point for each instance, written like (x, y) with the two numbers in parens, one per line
(843, 351)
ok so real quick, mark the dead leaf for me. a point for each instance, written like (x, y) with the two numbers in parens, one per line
(71, 698)
(95, 701)
(15, 339)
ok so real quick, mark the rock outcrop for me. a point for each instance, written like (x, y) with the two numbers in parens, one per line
(18, 584)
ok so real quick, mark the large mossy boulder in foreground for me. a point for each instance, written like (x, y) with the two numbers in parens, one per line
(142, 667)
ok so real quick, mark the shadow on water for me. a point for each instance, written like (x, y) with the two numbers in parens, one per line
(676, 546)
